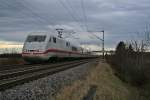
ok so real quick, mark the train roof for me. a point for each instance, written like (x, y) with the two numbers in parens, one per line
(54, 34)
(39, 33)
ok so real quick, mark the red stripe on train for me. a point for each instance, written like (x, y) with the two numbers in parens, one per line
(53, 50)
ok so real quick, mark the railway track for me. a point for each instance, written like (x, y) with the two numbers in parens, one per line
(10, 67)
(13, 77)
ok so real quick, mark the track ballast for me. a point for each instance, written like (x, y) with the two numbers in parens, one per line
(13, 77)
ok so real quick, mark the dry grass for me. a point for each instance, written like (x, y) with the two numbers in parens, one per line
(109, 87)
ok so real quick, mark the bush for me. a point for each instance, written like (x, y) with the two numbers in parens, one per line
(10, 55)
(129, 64)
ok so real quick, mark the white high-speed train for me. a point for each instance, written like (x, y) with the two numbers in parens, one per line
(45, 47)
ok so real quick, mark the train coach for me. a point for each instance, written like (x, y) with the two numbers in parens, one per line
(41, 47)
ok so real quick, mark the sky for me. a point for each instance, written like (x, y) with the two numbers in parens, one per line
(120, 19)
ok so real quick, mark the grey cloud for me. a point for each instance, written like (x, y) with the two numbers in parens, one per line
(119, 18)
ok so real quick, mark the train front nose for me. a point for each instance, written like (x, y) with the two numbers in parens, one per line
(34, 48)
(32, 57)
(34, 52)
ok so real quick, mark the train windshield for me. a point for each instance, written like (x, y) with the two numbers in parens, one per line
(36, 38)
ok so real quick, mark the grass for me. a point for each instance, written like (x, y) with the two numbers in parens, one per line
(11, 61)
(109, 86)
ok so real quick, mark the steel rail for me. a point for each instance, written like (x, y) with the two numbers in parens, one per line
(21, 77)
(20, 71)
(17, 66)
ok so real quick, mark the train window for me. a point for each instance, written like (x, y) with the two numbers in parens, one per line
(50, 39)
(67, 44)
(29, 38)
(54, 39)
(36, 38)
(41, 38)
(74, 49)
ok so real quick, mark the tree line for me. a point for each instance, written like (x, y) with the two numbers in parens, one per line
(130, 62)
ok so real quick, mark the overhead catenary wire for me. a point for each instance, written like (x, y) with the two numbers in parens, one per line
(74, 10)
(37, 19)
(84, 15)
(86, 22)
(51, 18)
(40, 19)
(70, 13)
(23, 13)
(35, 13)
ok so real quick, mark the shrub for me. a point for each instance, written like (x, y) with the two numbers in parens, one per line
(129, 64)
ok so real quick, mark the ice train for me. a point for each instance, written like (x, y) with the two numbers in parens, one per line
(41, 47)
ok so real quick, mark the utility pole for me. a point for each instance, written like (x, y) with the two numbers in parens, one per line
(103, 50)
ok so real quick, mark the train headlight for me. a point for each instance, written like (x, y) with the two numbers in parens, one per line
(25, 50)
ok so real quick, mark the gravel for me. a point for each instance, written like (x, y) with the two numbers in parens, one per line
(45, 88)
